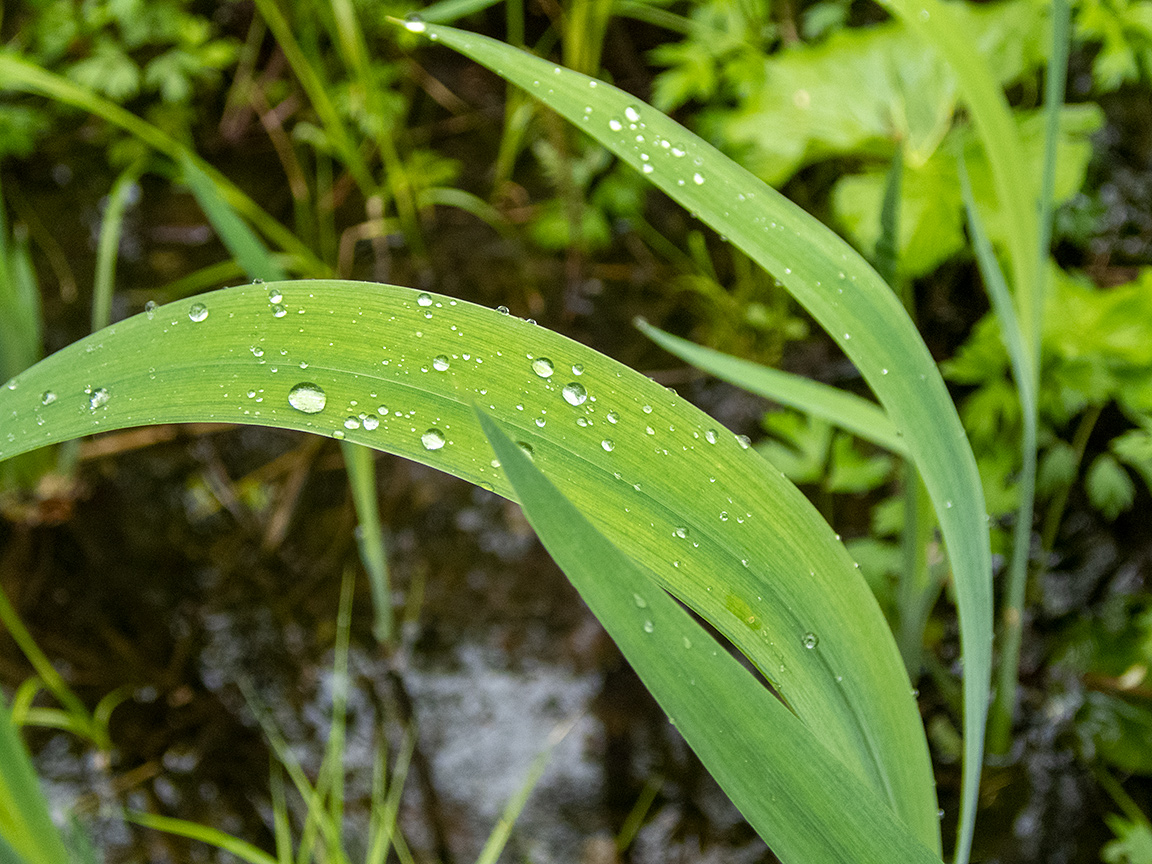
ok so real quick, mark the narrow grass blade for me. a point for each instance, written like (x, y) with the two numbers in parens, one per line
(842, 292)
(399, 370)
(241, 241)
(789, 787)
(846, 410)
(108, 247)
(25, 824)
(242, 849)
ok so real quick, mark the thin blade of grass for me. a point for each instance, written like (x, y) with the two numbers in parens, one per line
(108, 246)
(397, 370)
(796, 803)
(242, 849)
(840, 408)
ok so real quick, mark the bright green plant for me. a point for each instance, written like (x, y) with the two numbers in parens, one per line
(698, 514)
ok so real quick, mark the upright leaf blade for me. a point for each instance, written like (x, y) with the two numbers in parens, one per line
(849, 300)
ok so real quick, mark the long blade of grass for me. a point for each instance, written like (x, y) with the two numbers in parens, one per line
(242, 849)
(842, 292)
(397, 370)
(795, 804)
(25, 824)
(108, 247)
(839, 407)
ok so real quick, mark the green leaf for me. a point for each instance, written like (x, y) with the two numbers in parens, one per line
(399, 371)
(769, 762)
(1110, 489)
(844, 295)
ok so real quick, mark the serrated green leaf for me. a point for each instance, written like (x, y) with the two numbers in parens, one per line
(1110, 489)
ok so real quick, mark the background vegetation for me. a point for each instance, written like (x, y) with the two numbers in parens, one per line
(392, 160)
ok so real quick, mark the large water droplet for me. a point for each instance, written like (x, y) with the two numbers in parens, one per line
(632, 113)
(543, 367)
(351, 422)
(811, 640)
(98, 398)
(613, 417)
(197, 312)
(307, 398)
(413, 24)
(371, 423)
(47, 397)
(274, 296)
(423, 299)
(608, 444)
(433, 439)
(574, 394)
(744, 441)
(279, 311)
(440, 363)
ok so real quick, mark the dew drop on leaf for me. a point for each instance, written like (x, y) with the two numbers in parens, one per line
(574, 394)
(150, 309)
(440, 363)
(710, 436)
(307, 398)
(681, 532)
(197, 312)
(527, 448)
(744, 441)
(279, 311)
(423, 299)
(371, 423)
(351, 422)
(543, 367)
(433, 439)
(47, 397)
(274, 295)
(98, 398)
(632, 114)
(648, 627)
(811, 640)
(613, 417)
(608, 444)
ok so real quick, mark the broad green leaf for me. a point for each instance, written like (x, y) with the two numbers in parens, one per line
(787, 784)
(25, 824)
(399, 371)
(839, 407)
(849, 300)
(932, 212)
(864, 89)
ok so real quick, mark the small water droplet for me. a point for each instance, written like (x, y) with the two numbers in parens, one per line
(744, 441)
(698, 178)
(351, 422)
(811, 640)
(608, 444)
(440, 363)
(577, 368)
(503, 310)
(632, 113)
(98, 398)
(883, 371)
(613, 417)
(543, 367)
(540, 421)
(527, 448)
(338, 434)
(197, 312)
(710, 436)
(370, 422)
(648, 627)
(646, 168)
(279, 311)
(47, 397)
(948, 504)
(257, 351)
(681, 532)
(615, 125)
(150, 309)
(641, 603)
(274, 295)
(574, 394)
(723, 515)
(433, 439)
(423, 299)
(307, 397)
(413, 24)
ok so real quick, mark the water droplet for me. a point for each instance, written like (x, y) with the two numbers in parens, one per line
(577, 368)
(681, 532)
(613, 417)
(423, 299)
(678, 150)
(433, 439)
(948, 504)
(351, 422)
(883, 371)
(698, 178)
(371, 423)
(574, 394)
(540, 421)
(543, 367)
(646, 168)
(279, 311)
(257, 351)
(615, 125)
(710, 436)
(413, 24)
(527, 448)
(744, 441)
(632, 113)
(687, 642)
(47, 397)
(150, 309)
(648, 627)
(581, 422)
(274, 296)
(503, 310)
(641, 603)
(307, 398)
(440, 363)
(338, 434)
(197, 312)
(811, 640)
(723, 515)
(98, 398)
(608, 444)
